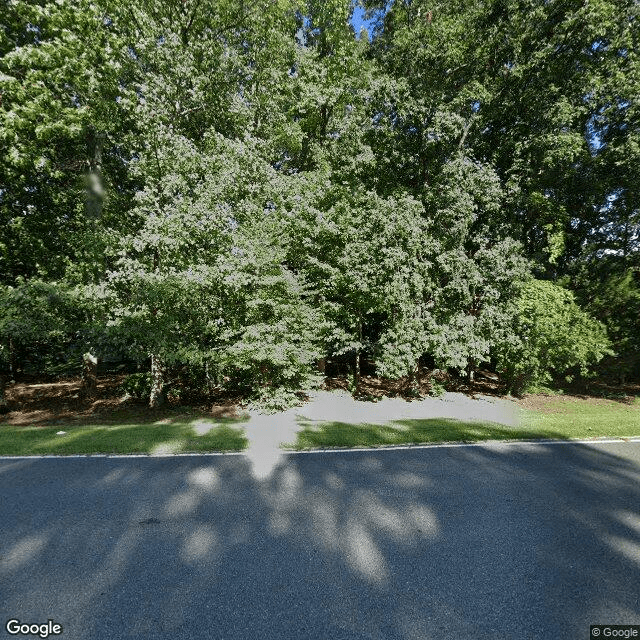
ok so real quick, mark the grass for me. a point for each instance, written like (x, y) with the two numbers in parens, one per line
(160, 437)
(559, 417)
(561, 420)
(410, 431)
(575, 418)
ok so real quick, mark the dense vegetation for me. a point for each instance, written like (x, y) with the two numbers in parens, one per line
(239, 190)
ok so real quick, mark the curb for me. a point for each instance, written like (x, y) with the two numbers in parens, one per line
(435, 445)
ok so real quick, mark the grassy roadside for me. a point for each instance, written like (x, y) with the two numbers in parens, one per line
(397, 432)
(165, 436)
(554, 417)
(577, 418)
(560, 419)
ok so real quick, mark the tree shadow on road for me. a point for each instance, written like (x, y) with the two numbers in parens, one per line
(490, 541)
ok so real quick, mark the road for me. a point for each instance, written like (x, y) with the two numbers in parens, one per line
(495, 541)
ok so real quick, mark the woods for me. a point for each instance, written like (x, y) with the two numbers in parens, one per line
(244, 189)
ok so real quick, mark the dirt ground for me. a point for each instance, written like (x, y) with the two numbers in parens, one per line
(53, 403)
(50, 403)
(624, 394)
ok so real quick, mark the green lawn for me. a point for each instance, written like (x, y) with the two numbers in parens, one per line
(559, 418)
(165, 436)
(569, 420)
(340, 434)
(576, 418)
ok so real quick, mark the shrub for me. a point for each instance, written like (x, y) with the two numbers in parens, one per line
(436, 389)
(551, 334)
(274, 400)
(137, 385)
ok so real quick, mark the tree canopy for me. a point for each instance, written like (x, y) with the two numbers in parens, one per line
(248, 188)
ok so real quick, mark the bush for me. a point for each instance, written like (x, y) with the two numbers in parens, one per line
(43, 321)
(614, 299)
(137, 385)
(551, 335)
(272, 358)
(436, 389)
(274, 400)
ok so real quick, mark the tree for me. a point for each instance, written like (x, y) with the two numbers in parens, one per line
(246, 187)
(551, 336)
(60, 67)
(41, 326)
(362, 257)
(613, 297)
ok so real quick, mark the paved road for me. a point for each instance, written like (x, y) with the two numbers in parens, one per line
(483, 542)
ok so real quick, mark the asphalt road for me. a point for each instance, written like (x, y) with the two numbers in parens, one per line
(485, 542)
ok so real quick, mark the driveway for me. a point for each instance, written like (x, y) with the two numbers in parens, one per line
(492, 541)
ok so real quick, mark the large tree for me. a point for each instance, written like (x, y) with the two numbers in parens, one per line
(248, 187)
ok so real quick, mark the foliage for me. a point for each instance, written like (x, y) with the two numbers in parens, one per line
(614, 299)
(41, 322)
(137, 385)
(436, 388)
(247, 187)
(551, 336)
(274, 399)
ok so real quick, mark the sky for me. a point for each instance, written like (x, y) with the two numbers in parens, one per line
(359, 22)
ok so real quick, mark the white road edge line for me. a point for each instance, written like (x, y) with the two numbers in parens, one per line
(441, 445)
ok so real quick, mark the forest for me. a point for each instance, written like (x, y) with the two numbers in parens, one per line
(244, 196)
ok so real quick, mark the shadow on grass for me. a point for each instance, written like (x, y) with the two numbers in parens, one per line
(409, 431)
(161, 437)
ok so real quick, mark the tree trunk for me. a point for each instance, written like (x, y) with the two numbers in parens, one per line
(4, 405)
(158, 395)
(414, 386)
(94, 184)
(322, 365)
(207, 377)
(356, 368)
(89, 376)
(471, 371)
(12, 364)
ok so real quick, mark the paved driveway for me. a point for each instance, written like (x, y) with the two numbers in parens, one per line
(491, 541)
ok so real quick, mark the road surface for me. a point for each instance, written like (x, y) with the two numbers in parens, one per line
(493, 541)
